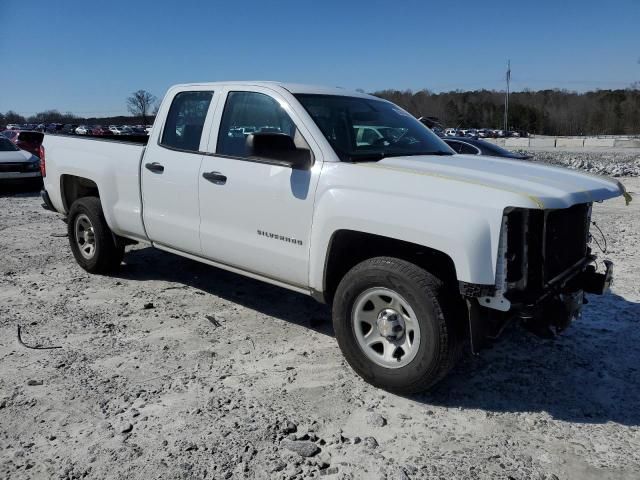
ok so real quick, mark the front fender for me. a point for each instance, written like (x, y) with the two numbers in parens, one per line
(469, 237)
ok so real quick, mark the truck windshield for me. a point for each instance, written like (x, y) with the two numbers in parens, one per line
(362, 129)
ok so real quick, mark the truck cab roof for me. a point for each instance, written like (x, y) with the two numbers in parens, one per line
(293, 88)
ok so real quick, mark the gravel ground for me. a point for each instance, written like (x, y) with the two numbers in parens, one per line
(616, 163)
(172, 369)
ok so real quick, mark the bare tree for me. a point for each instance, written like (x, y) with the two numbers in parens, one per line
(140, 104)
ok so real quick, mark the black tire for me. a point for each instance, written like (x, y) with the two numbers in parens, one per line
(439, 312)
(108, 252)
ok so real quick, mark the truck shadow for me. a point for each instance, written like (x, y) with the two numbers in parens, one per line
(590, 374)
(152, 264)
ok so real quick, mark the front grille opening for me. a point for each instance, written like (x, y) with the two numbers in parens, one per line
(565, 240)
(542, 244)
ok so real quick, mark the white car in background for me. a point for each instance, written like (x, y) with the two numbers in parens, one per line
(13, 126)
(115, 130)
(16, 164)
(82, 130)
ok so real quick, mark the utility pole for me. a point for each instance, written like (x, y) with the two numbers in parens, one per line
(506, 98)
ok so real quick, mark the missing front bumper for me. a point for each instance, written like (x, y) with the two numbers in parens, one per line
(546, 313)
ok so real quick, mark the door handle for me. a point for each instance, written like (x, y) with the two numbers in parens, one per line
(154, 167)
(215, 177)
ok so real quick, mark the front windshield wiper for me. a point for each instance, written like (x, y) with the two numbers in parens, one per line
(442, 153)
(375, 156)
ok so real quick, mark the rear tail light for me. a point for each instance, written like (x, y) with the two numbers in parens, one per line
(43, 165)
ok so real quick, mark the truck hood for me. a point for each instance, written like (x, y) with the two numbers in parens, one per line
(547, 186)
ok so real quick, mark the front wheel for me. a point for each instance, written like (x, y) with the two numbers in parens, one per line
(94, 246)
(398, 326)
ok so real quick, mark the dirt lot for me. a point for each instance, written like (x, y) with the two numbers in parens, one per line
(173, 369)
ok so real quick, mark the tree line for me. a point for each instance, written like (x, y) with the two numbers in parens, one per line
(545, 112)
(141, 104)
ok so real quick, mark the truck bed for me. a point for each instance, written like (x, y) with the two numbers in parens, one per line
(112, 163)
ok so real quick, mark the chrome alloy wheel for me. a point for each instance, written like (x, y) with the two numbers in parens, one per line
(386, 327)
(85, 236)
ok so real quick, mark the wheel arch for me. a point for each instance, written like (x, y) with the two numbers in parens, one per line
(73, 187)
(347, 248)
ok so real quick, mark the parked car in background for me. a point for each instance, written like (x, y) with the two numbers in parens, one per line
(100, 130)
(138, 131)
(16, 164)
(25, 140)
(472, 133)
(12, 126)
(69, 129)
(54, 128)
(147, 129)
(114, 130)
(474, 146)
(82, 130)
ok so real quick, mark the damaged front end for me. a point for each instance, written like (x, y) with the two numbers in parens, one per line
(544, 267)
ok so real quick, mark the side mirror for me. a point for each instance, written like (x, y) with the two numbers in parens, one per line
(280, 147)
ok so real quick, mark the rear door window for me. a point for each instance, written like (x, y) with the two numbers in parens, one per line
(185, 121)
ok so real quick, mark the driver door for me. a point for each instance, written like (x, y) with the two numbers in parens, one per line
(256, 213)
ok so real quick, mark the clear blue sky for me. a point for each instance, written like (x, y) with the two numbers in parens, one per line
(87, 56)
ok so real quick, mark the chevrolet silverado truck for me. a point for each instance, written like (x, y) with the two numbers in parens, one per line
(349, 199)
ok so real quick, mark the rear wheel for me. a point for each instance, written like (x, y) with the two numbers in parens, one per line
(398, 326)
(93, 244)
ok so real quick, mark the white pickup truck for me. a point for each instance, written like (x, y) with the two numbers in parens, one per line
(347, 198)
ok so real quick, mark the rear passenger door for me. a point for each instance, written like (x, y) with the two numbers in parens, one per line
(170, 171)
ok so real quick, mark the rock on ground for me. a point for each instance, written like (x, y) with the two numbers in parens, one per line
(620, 163)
